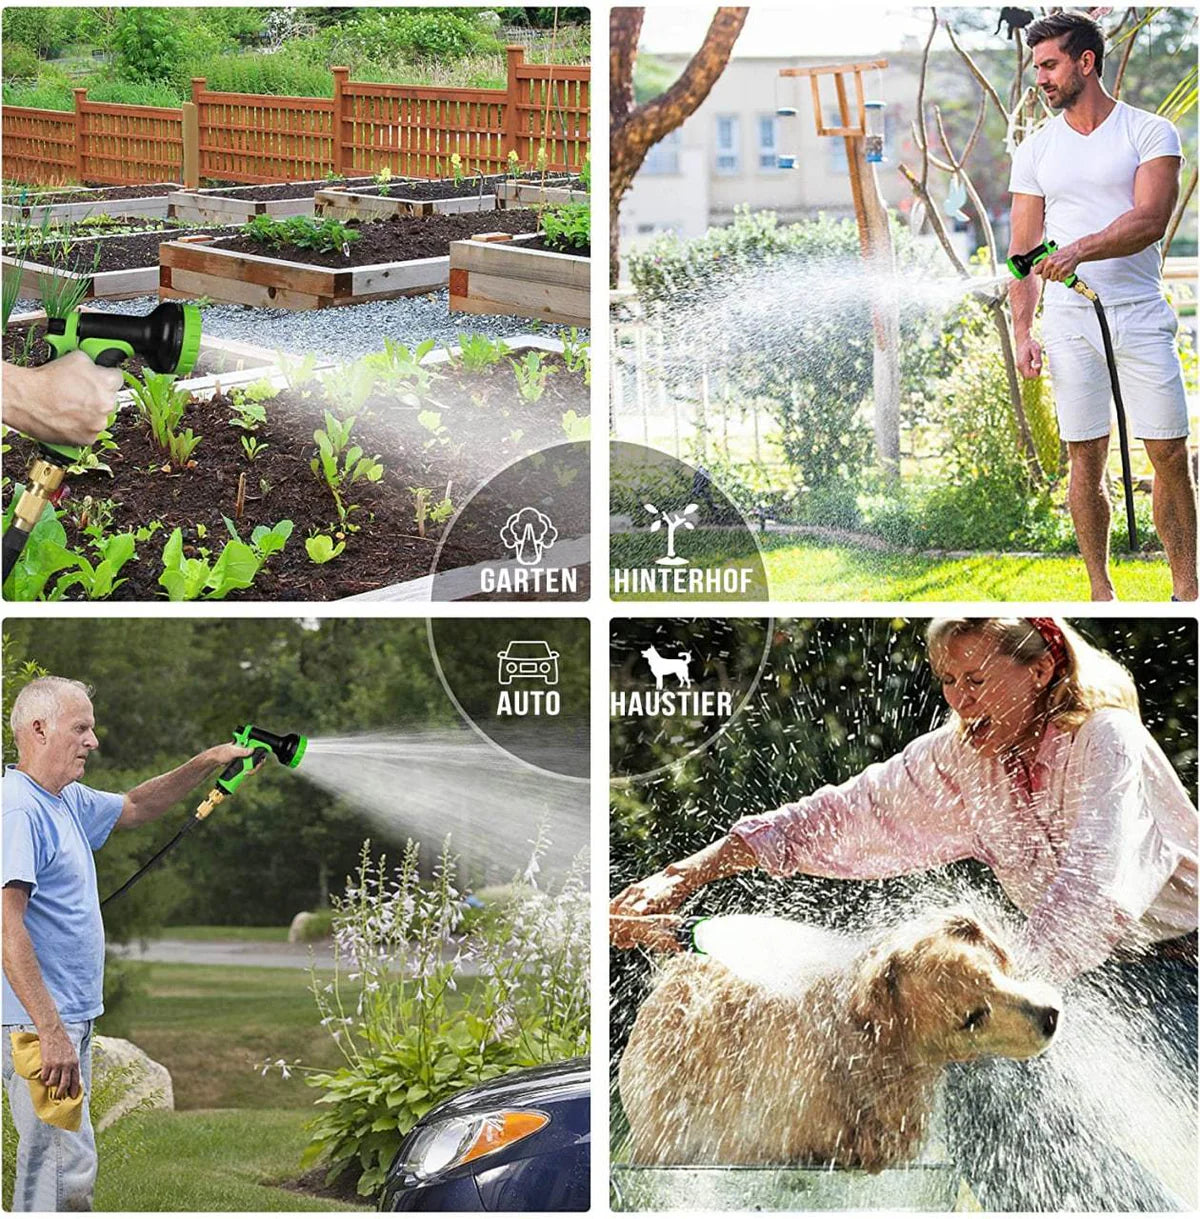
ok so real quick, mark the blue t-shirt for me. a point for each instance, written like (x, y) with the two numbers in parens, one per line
(48, 844)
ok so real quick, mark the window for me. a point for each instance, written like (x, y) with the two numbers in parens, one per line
(663, 157)
(768, 143)
(729, 160)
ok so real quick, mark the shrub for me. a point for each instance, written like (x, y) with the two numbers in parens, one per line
(20, 63)
(148, 44)
(406, 1044)
(39, 30)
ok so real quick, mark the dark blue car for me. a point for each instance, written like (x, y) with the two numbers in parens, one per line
(520, 1143)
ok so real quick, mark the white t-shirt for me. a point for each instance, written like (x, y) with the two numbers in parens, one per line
(1087, 182)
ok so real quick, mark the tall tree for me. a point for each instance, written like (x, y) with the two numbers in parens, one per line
(634, 130)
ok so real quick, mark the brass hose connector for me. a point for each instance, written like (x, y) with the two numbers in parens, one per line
(42, 485)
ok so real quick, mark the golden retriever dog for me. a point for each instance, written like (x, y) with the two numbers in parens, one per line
(722, 1069)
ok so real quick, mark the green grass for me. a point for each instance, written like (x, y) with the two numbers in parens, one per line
(205, 1161)
(209, 1025)
(802, 569)
(812, 571)
(257, 935)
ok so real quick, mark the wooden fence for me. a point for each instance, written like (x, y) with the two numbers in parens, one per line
(239, 137)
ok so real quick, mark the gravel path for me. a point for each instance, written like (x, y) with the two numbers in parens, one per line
(343, 333)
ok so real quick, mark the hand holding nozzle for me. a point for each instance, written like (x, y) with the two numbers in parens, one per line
(657, 932)
(66, 402)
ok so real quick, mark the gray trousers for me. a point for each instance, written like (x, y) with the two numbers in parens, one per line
(56, 1169)
(1056, 1133)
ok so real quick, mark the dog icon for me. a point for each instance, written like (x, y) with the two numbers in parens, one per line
(662, 666)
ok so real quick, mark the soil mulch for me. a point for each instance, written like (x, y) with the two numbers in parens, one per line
(36, 198)
(33, 352)
(312, 1185)
(540, 243)
(123, 253)
(428, 190)
(285, 190)
(488, 426)
(555, 183)
(395, 239)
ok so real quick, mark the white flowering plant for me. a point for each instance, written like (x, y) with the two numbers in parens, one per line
(420, 1011)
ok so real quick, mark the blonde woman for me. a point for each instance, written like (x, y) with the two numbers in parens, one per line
(1045, 773)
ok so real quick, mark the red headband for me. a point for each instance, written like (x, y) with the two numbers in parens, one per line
(1056, 642)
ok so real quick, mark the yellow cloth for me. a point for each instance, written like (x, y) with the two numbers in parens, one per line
(64, 1112)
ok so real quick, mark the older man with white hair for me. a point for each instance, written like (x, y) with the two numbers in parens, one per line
(53, 936)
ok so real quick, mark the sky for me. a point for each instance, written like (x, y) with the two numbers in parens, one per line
(824, 30)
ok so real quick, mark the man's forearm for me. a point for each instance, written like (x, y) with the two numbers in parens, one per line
(1023, 299)
(151, 799)
(24, 975)
(1129, 234)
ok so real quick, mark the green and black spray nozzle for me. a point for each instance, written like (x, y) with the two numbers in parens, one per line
(289, 749)
(1022, 264)
(167, 338)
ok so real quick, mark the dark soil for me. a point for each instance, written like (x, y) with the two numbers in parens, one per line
(555, 183)
(437, 188)
(155, 191)
(480, 412)
(286, 190)
(312, 1185)
(103, 223)
(123, 253)
(38, 353)
(540, 243)
(395, 239)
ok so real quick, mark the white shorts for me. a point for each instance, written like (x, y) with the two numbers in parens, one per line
(1143, 335)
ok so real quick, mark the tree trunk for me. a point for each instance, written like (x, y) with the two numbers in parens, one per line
(635, 130)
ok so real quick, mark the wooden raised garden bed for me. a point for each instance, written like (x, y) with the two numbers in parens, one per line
(148, 200)
(233, 270)
(538, 194)
(112, 279)
(497, 276)
(443, 429)
(442, 197)
(240, 204)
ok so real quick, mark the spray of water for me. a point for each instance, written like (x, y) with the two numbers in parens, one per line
(427, 785)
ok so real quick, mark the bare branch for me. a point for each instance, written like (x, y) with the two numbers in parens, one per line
(1181, 207)
(922, 141)
(624, 30)
(1129, 41)
(985, 84)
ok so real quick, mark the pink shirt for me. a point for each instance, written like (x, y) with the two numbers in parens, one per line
(1095, 844)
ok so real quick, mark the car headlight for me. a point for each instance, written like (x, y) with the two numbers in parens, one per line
(458, 1140)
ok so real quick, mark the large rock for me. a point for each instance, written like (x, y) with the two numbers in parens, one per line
(125, 1078)
(307, 928)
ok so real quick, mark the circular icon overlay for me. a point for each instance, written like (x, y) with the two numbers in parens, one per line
(523, 536)
(675, 684)
(675, 535)
(522, 683)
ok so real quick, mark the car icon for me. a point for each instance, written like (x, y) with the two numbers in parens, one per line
(528, 660)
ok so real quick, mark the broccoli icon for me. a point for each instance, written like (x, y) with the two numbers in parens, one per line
(529, 532)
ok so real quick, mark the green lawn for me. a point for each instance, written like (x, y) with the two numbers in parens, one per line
(811, 569)
(260, 935)
(814, 571)
(209, 1025)
(207, 1160)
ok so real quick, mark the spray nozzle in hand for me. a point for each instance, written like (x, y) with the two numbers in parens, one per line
(1022, 265)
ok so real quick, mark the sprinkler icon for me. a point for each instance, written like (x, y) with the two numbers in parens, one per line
(673, 521)
(529, 533)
